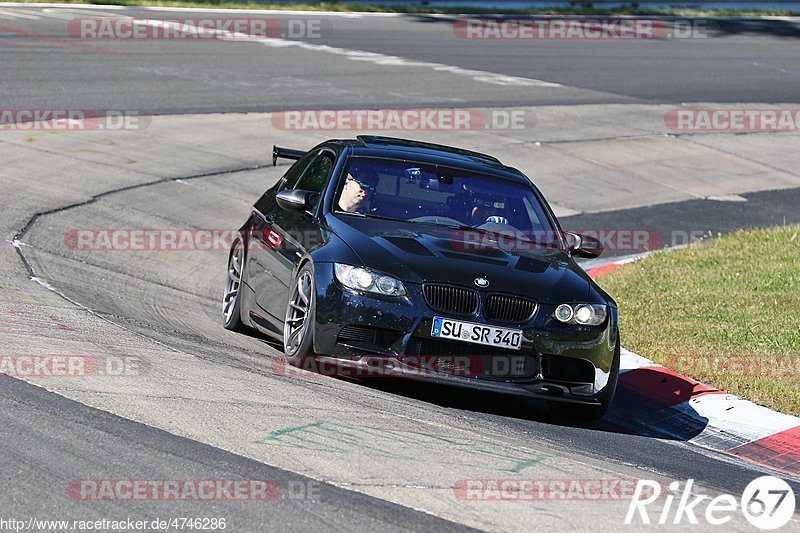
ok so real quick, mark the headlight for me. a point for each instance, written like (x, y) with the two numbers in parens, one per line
(361, 279)
(564, 313)
(583, 314)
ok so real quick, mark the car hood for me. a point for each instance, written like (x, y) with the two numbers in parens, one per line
(417, 253)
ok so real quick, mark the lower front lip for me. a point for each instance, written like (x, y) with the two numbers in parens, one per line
(384, 367)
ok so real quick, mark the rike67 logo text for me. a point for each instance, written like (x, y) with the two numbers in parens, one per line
(767, 503)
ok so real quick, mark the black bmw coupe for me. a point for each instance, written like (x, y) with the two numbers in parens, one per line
(387, 256)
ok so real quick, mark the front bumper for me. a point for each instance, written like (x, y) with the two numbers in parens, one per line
(556, 361)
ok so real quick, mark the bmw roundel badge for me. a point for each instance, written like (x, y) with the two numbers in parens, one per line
(481, 282)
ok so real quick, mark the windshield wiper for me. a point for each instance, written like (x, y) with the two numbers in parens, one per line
(381, 217)
(362, 215)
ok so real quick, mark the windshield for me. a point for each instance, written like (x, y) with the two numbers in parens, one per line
(430, 194)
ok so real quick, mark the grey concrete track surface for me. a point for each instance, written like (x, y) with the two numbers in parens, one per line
(71, 443)
(734, 61)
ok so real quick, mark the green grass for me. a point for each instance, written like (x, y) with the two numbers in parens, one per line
(419, 9)
(725, 312)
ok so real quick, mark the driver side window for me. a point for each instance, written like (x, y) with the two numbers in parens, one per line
(266, 204)
(294, 172)
(316, 175)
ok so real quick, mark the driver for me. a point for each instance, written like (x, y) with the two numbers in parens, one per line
(355, 196)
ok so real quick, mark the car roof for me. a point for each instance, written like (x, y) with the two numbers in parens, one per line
(393, 147)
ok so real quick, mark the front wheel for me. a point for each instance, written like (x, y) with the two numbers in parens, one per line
(298, 327)
(231, 301)
(590, 413)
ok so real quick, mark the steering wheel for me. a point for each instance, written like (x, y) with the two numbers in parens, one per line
(434, 219)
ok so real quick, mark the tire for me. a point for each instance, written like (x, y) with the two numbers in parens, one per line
(231, 300)
(300, 320)
(580, 413)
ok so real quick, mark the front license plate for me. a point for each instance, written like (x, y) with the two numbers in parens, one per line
(446, 328)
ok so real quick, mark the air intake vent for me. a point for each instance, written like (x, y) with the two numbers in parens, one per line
(509, 308)
(561, 368)
(380, 338)
(358, 334)
(410, 245)
(451, 299)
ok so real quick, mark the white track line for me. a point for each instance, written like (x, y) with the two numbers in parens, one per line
(18, 14)
(360, 14)
(360, 55)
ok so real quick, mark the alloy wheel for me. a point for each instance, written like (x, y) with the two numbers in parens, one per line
(233, 283)
(296, 325)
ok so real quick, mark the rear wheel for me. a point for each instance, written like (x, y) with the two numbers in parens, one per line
(590, 413)
(231, 301)
(298, 327)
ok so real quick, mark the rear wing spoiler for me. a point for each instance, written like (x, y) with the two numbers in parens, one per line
(285, 153)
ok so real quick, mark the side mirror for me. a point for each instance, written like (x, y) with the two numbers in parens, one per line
(584, 245)
(295, 199)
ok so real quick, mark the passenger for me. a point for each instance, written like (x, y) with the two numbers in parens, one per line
(487, 211)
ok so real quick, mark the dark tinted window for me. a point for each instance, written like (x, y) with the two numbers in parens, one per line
(316, 174)
(295, 171)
